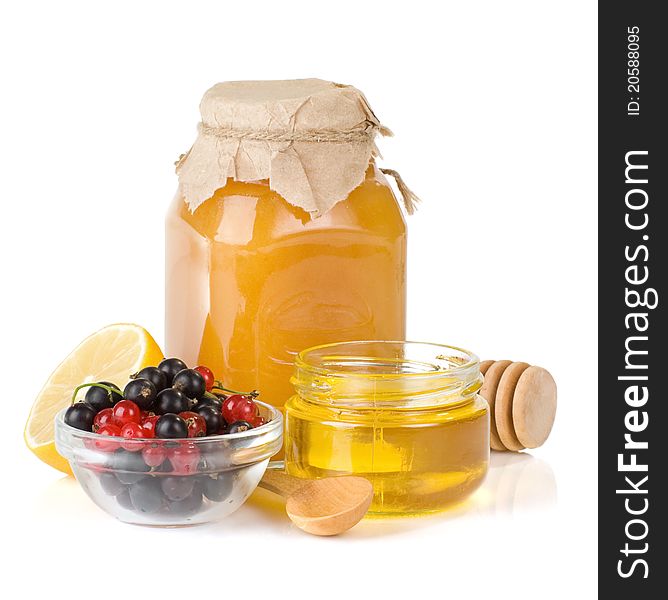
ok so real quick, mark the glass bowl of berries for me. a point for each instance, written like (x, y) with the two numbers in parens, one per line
(174, 448)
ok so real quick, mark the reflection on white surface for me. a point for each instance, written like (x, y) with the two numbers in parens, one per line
(516, 482)
(64, 499)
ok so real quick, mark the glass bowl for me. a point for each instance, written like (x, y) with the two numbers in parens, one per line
(197, 481)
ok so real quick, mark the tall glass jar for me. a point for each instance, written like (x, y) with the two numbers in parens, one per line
(284, 233)
(405, 415)
(252, 280)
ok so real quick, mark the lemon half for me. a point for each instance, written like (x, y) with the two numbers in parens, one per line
(111, 354)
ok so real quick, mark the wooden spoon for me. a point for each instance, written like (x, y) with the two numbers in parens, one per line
(326, 506)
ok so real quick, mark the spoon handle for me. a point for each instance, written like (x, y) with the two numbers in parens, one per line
(281, 483)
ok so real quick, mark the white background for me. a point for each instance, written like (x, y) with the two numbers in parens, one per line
(492, 105)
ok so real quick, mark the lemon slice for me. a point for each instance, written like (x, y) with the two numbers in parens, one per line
(111, 354)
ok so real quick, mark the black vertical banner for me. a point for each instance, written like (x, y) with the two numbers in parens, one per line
(633, 260)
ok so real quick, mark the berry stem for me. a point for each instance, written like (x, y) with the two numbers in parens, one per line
(218, 385)
(111, 391)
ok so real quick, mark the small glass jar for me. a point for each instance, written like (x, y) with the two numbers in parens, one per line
(405, 415)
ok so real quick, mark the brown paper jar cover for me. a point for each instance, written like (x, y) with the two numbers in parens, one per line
(311, 139)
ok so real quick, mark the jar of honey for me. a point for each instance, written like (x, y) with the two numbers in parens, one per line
(405, 415)
(283, 234)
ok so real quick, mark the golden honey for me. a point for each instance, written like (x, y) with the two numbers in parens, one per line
(252, 280)
(405, 415)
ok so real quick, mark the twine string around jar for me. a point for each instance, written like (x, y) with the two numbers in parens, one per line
(362, 134)
(409, 197)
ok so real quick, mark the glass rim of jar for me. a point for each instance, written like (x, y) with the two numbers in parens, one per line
(437, 375)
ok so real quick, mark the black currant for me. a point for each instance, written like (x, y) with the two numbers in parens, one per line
(170, 401)
(155, 376)
(210, 401)
(110, 484)
(238, 426)
(165, 467)
(189, 505)
(146, 495)
(80, 415)
(129, 467)
(142, 392)
(214, 419)
(100, 398)
(124, 500)
(190, 382)
(116, 395)
(177, 488)
(218, 489)
(171, 426)
(130, 478)
(170, 367)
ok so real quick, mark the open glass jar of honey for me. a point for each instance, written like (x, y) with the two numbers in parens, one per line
(405, 415)
(284, 233)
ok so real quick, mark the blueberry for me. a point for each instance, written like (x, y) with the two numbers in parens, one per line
(214, 419)
(218, 488)
(170, 367)
(146, 495)
(155, 376)
(171, 426)
(80, 415)
(110, 484)
(100, 398)
(177, 488)
(142, 392)
(171, 401)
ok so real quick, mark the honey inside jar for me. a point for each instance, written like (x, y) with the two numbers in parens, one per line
(252, 280)
(407, 416)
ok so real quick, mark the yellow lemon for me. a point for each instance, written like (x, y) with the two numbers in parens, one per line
(111, 354)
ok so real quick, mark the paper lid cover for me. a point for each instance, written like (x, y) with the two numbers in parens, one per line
(312, 139)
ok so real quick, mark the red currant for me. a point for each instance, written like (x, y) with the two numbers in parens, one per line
(154, 455)
(257, 421)
(209, 379)
(229, 405)
(133, 432)
(108, 445)
(244, 410)
(184, 458)
(104, 417)
(149, 425)
(196, 423)
(126, 411)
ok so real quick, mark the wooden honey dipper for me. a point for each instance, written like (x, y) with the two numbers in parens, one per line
(522, 404)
